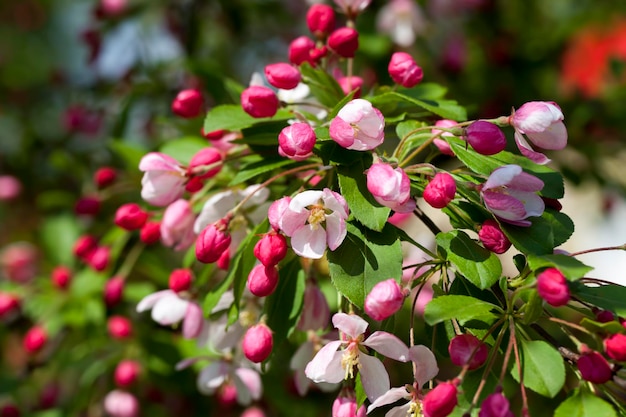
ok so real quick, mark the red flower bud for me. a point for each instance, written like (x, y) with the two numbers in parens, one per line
(257, 343)
(130, 217)
(126, 373)
(262, 280)
(404, 71)
(87, 206)
(495, 405)
(10, 410)
(188, 104)
(9, 303)
(493, 238)
(615, 347)
(283, 76)
(385, 299)
(35, 339)
(84, 246)
(180, 280)
(211, 243)
(204, 158)
(194, 185)
(485, 137)
(61, 276)
(344, 41)
(440, 401)
(299, 50)
(259, 101)
(552, 287)
(99, 258)
(271, 249)
(113, 291)
(604, 316)
(594, 368)
(321, 20)
(224, 261)
(119, 327)
(150, 233)
(440, 190)
(466, 346)
(104, 177)
(316, 54)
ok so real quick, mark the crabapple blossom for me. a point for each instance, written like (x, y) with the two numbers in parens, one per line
(150, 233)
(402, 20)
(296, 141)
(177, 225)
(257, 343)
(163, 180)
(350, 84)
(203, 158)
(119, 327)
(19, 261)
(315, 310)
(84, 245)
(99, 258)
(188, 104)
(542, 123)
(119, 403)
(35, 339)
(358, 126)
(10, 187)
(262, 280)
(384, 300)
(253, 412)
(9, 304)
(333, 365)
(345, 405)
(440, 190)
(485, 137)
(259, 101)
(113, 291)
(130, 216)
(352, 7)
(493, 238)
(594, 367)
(302, 220)
(271, 249)
(180, 280)
(467, 350)
(441, 400)
(104, 177)
(441, 144)
(495, 405)
(404, 71)
(390, 187)
(321, 20)
(169, 308)
(511, 195)
(552, 287)
(615, 347)
(126, 373)
(344, 41)
(61, 276)
(87, 206)
(282, 75)
(212, 242)
(300, 50)
(215, 375)
(276, 211)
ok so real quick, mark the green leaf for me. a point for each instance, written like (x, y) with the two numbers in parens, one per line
(58, 235)
(533, 309)
(480, 266)
(258, 167)
(283, 307)
(460, 307)
(610, 327)
(183, 149)
(608, 297)
(584, 404)
(542, 367)
(323, 86)
(572, 268)
(447, 109)
(353, 184)
(233, 117)
(359, 391)
(130, 154)
(546, 232)
(136, 291)
(364, 259)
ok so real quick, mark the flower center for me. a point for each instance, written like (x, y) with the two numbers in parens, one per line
(350, 359)
(317, 216)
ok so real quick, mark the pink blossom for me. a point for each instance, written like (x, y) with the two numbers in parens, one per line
(104, 177)
(130, 216)
(333, 365)
(304, 217)
(300, 49)
(440, 402)
(10, 187)
(217, 374)
(493, 238)
(593, 366)
(263, 280)
(358, 126)
(315, 311)
(199, 163)
(35, 339)
(259, 101)
(271, 249)
(257, 343)
(402, 20)
(344, 41)
(19, 261)
(441, 144)
(126, 373)
(119, 403)
(485, 137)
(188, 104)
(296, 141)
(180, 280)
(345, 405)
(384, 300)
(177, 225)
(390, 187)
(467, 350)
(615, 347)
(163, 180)
(495, 405)
(542, 123)
(404, 70)
(352, 7)
(169, 308)
(511, 195)
(113, 291)
(350, 84)
(276, 211)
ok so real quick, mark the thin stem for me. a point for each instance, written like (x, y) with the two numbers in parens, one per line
(417, 151)
(427, 221)
(489, 366)
(521, 379)
(130, 260)
(569, 324)
(605, 248)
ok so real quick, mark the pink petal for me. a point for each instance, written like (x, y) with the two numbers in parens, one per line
(525, 182)
(291, 221)
(400, 411)
(341, 132)
(426, 364)
(350, 324)
(193, 321)
(504, 206)
(158, 161)
(554, 137)
(169, 310)
(533, 204)
(309, 241)
(528, 152)
(335, 202)
(212, 377)
(390, 397)
(374, 376)
(335, 231)
(150, 300)
(388, 345)
(502, 176)
(251, 383)
(326, 365)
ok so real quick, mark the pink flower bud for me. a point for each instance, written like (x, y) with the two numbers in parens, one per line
(276, 211)
(271, 249)
(126, 373)
(259, 101)
(283, 76)
(262, 280)
(113, 291)
(111, 8)
(10, 410)
(390, 187)
(495, 405)
(227, 396)
(542, 123)
(604, 316)
(87, 206)
(441, 144)
(385, 299)
(150, 233)
(253, 412)
(257, 343)
(9, 304)
(552, 287)
(350, 84)
(19, 261)
(10, 187)
(34, 339)
(180, 280)
(440, 190)
(177, 225)
(321, 20)
(493, 238)
(404, 71)
(61, 276)
(594, 368)
(163, 181)
(358, 126)
(316, 54)
(194, 185)
(615, 347)
(224, 261)
(440, 401)
(84, 246)
(119, 327)
(130, 217)
(299, 50)
(485, 137)
(345, 406)
(188, 104)
(467, 349)
(204, 158)
(296, 141)
(121, 404)
(211, 243)
(99, 258)
(344, 41)
(104, 177)
(49, 396)
(315, 311)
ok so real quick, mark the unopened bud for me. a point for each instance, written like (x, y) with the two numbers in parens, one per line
(552, 287)
(493, 238)
(119, 327)
(61, 276)
(615, 347)
(440, 401)
(188, 104)
(259, 101)
(283, 76)
(404, 71)
(211, 243)
(180, 280)
(271, 249)
(440, 190)
(205, 157)
(594, 367)
(385, 299)
(485, 137)
(321, 20)
(35, 339)
(257, 343)
(113, 291)
(126, 373)
(104, 177)
(300, 49)
(467, 349)
(344, 41)
(262, 280)
(130, 217)
(150, 233)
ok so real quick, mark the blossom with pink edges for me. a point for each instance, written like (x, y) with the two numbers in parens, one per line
(163, 180)
(352, 7)
(358, 126)
(303, 219)
(333, 365)
(177, 225)
(296, 141)
(390, 187)
(542, 123)
(169, 308)
(119, 403)
(384, 300)
(214, 376)
(511, 194)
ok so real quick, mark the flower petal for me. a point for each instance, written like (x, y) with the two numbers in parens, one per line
(251, 382)
(388, 345)
(502, 176)
(350, 324)
(426, 363)
(390, 397)
(400, 411)
(309, 241)
(304, 199)
(150, 300)
(169, 310)
(504, 206)
(374, 376)
(215, 208)
(554, 137)
(326, 365)
(193, 321)
(335, 231)
(212, 377)
(528, 152)
(533, 204)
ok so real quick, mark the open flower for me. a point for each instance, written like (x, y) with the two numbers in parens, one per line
(333, 365)
(169, 308)
(511, 195)
(177, 225)
(358, 126)
(163, 180)
(390, 187)
(542, 123)
(303, 219)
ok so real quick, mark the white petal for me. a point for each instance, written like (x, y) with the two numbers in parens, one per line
(309, 242)
(251, 383)
(401, 411)
(426, 363)
(390, 397)
(326, 365)
(169, 310)
(502, 176)
(388, 345)
(302, 356)
(374, 376)
(150, 300)
(212, 377)
(335, 231)
(350, 324)
(215, 208)
(306, 198)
